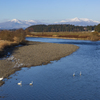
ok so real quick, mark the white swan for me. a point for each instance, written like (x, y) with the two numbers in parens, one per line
(20, 83)
(73, 74)
(80, 73)
(1, 78)
(31, 83)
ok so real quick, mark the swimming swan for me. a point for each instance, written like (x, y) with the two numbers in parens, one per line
(1, 78)
(31, 83)
(80, 73)
(20, 83)
(73, 74)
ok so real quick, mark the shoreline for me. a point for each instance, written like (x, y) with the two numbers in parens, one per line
(33, 54)
(61, 38)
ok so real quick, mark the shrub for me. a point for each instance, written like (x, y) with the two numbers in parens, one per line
(16, 36)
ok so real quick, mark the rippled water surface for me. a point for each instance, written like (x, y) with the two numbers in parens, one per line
(55, 81)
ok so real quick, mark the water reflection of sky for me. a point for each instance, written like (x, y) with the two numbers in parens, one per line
(55, 81)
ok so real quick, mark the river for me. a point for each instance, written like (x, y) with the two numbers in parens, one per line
(55, 81)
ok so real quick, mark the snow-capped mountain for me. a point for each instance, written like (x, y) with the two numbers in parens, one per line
(79, 21)
(14, 23)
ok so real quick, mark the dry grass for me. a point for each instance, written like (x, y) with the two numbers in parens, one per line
(11, 38)
(60, 33)
(4, 43)
(94, 36)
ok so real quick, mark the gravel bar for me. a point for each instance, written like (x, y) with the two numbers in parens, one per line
(33, 54)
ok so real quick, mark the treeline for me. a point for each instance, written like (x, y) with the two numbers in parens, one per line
(59, 28)
(97, 28)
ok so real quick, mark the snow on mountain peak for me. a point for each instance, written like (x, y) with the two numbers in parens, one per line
(31, 21)
(72, 20)
(85, 19)
(75, 19)
(14, 23)
(79, 21)
(20, 21)
(82, 19)
(15, 20)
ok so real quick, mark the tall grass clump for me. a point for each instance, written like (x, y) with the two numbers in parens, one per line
(17, 36)
(11, 38)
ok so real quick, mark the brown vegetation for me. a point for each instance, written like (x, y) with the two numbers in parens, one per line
(11, 38)
(93, 36)
(4, 43)
(12, 35)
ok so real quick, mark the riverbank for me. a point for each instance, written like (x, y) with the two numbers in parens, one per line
(34, 54)
(6, 47)
(93, 36)
(55, 37)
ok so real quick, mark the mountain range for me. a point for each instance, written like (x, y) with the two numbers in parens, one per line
(79, 22)
(15, 24)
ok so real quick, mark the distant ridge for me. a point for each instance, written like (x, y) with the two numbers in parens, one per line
(15, 23)
(79, 21)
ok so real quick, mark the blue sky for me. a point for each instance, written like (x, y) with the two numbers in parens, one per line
(49, 10)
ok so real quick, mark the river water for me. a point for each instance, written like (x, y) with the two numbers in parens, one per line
(55, 81)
